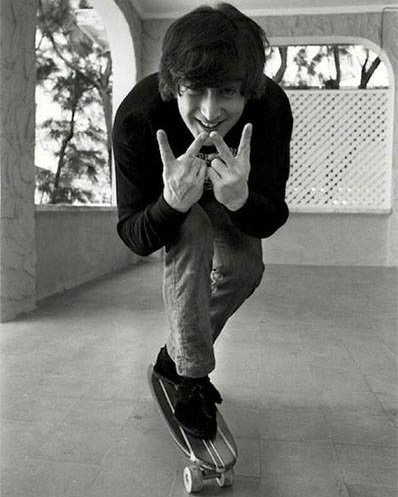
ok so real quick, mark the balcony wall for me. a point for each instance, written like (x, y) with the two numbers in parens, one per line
(330, 239)
(75, 245)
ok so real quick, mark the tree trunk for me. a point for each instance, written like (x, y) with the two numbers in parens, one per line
(366, 73)
(107, 103)
(336, 56)
(106, 97)
(77, 93)
(282, 68)
(61, 160)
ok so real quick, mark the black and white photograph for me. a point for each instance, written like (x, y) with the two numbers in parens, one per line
(199, 248)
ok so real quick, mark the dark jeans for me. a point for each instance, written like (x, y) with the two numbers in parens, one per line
(210, 269)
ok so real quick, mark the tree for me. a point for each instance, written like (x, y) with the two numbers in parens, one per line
(322, 66)
(77, 72)
(368, 68)
(283, 65)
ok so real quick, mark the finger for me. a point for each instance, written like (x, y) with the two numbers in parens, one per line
(201, 173)
(219, 166)
(221, 146)
(164, 147)
(244, 145)
(196, 145)
(213, 175)
(197, 165)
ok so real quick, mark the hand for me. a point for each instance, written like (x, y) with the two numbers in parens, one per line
(183, 178)
(230, 174)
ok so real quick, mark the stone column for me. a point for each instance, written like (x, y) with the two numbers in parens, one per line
(17, 143)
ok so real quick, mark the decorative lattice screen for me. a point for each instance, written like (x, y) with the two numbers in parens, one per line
(341, 154)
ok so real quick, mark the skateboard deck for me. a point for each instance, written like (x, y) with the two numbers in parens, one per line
(209, 458)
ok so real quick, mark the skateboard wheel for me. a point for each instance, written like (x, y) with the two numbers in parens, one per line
(226, 479)
(193, 479)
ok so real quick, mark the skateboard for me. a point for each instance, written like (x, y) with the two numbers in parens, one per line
(209, 459)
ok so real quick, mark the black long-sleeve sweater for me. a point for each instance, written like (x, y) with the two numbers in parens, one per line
(146, 221)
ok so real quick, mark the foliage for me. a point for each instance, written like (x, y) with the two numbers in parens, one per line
(73, 73)
(325, 66)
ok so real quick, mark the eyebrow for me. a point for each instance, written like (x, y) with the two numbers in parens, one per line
(191, 84)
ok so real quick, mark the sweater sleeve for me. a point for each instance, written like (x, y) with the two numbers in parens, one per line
(265, 210)
(146, 221)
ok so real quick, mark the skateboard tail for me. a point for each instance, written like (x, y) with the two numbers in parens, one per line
(233, 449)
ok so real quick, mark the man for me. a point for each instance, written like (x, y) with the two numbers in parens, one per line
(202, 160)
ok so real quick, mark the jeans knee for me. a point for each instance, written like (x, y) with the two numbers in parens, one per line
(258, 272)
(251, 273)
(244, 273)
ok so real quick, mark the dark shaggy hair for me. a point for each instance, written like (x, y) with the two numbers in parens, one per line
(212, 45)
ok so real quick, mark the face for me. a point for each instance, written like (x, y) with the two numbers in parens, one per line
(210, 109)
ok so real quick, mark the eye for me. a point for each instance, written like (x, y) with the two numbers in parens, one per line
(229, 92)
(191, 91)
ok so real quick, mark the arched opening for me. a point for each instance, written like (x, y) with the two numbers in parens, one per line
(123, 55)
(86, 65)
(121, 46)
(328, 52)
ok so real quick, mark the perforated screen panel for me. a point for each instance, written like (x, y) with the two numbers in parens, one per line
(341, 153)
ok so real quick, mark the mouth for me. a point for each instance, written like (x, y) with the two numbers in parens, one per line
(208, 127)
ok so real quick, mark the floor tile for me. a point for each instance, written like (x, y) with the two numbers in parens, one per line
(371, 491)
(78, 443)
(249, 460)
(35, 408)
(292, 460)
(367, 465)
(283, 486)
(294, 424)
(365, 402)
(49, 479)
(21, 440)
(362, 429)
(243, 422)
(99, 413)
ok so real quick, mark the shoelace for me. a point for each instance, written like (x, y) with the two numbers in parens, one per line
(210, 392)
(209, 397)
(205, 391)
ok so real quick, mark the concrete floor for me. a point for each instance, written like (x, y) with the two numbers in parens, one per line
(307, 369)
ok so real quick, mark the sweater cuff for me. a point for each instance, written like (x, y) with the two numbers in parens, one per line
(246, 211)
(162, 214)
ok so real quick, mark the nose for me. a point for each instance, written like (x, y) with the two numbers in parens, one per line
(210, 105)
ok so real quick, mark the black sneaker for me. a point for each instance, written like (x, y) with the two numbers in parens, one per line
(166, 367)
(195, 407)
